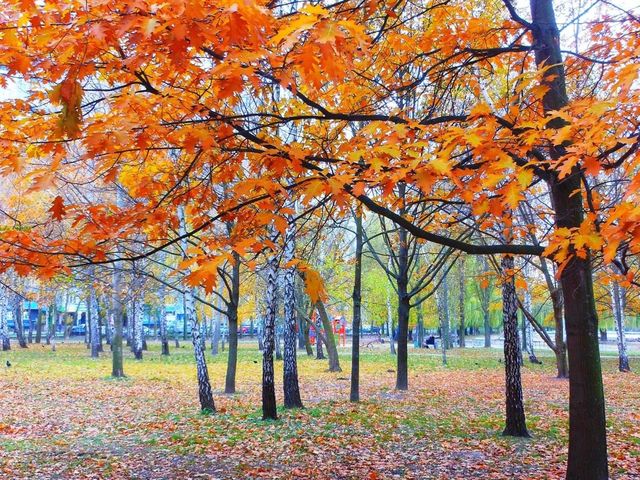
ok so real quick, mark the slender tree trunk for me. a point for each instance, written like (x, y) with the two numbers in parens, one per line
(515, 417)
(215, 337)
(135, 321)
(39, 326)
(442, 300)
(332, 350)
(232, 316)
(4, 326)
(485, 299)
(354, 394)
(617, 306)
(392, 344)
(587, 423)
(290, 375)
(164, 334)
(92, 312)
(461, 296)
(205, 394)
(319, 351)
(18, 322)
(277, 343)
(117, 365)
(268, 377)
(402, 284)
(528, 329)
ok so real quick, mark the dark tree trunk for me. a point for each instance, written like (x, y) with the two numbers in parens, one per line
(354, 394)
(22, 342)
(402, 284)
(515, 419)
(269, 410)
(39, 327)
(232, 317)
(587, 424)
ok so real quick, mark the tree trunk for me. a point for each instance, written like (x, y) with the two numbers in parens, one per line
(389, 324)
(319, 351)
(232, 317)
(4, 326)
(205, 394)
(135, 319)
(528, 329)
(18, 322)
(442, 297)
(164, 334)
(268, 378)
(485, 299)
(618, 306)
(332, 350)
(290, 375)
(461, 292)
(117, 366)
(39, 327)
(354, 393)
(404, 306)
(587, 424)
(515, 417)
(94, 323)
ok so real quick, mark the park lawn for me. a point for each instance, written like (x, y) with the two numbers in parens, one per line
(62, 416)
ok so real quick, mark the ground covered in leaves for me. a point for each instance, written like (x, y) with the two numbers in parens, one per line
(62, 417)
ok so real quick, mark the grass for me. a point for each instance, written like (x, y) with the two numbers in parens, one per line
(63, 416)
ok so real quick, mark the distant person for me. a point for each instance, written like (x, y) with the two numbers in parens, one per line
(431, 340)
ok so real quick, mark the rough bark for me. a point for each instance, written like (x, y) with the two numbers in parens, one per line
(404, 307)
(268, 378)
(290, 371)
(137, 311)
(587, 424)
(515, 416)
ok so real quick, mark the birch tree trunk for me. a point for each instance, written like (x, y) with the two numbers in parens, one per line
(515, 417)
(135, 319)
(4, 326)
(205, 393)
(268, 378)
(290, 374)
(618, 306)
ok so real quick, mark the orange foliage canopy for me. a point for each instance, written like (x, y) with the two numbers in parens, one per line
(232, 107)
